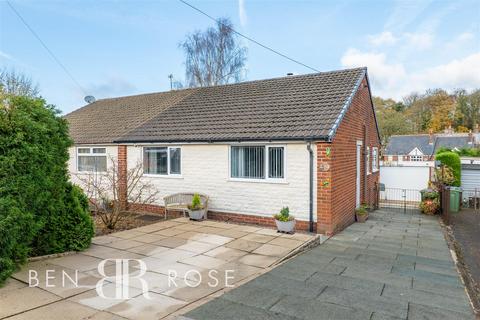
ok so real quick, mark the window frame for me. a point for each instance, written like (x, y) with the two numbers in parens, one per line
(419, 158)
(367, 160)
(375, 159)
(90, 154)
(168, 174)
(267, 179)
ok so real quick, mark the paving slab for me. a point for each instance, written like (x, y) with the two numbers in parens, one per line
(395, 266)
(187, 262)
(155, 307)
(66, 310)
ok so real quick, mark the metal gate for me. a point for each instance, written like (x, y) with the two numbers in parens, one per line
(400, 200)
(471, 199)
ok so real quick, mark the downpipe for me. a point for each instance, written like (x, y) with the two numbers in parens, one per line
(310, 151)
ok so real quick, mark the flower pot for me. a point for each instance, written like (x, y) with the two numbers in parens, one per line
(362, 217)
(285, 226)
(196, 214)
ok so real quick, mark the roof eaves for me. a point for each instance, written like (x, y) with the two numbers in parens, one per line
(309, 138)
(346, 106)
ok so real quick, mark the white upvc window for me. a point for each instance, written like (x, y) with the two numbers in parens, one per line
(257, 162)
(374, 159)
(166, 161)
(91, 159)
(416, 158)
(367, 161)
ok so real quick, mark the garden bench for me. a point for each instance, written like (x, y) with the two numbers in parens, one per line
(180, 201)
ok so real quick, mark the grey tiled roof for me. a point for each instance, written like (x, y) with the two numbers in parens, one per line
(451, 142)
(402, 145)
(287, 108)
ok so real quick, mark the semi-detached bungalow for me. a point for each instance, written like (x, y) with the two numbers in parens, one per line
(309, 142)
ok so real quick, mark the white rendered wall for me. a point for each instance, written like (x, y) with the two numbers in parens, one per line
(205, 169)
(405, 177)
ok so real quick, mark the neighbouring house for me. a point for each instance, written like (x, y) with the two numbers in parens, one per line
(309, 142)
(408, 160)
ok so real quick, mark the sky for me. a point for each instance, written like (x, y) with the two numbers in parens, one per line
(118, 48)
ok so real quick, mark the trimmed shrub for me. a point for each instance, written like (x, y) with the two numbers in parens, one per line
(70, 228)
(40, 211)
(452, 160)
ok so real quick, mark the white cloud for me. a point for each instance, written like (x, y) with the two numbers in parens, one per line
(384, 38)
(5, 56)
(384, 75)
(242, 13)
(392, 80)
(419, 40)
(466, 36)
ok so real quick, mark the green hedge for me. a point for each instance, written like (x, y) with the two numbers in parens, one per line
(452, 160)
(40, 211)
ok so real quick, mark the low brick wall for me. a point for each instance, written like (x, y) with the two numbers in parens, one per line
(220, 216)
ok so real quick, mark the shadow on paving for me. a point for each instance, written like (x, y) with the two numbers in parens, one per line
(394, 266)
(466, 230)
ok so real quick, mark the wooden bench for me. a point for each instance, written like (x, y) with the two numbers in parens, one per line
(180, 201)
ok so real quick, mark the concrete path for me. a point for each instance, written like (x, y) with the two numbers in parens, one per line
(202, 258)
(394, 266)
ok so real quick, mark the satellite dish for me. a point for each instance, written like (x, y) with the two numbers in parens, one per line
(89, 99)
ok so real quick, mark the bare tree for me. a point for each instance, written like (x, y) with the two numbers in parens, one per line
(214, 56)
(18, 84)
(104, 192)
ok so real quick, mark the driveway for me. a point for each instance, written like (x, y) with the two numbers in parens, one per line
(179, 263)
(394, 266)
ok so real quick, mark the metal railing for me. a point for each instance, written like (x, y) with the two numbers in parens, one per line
(401, 200)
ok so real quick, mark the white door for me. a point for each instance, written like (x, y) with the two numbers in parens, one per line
(359, 172)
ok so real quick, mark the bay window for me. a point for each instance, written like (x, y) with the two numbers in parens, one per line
(162, 160)
(257, 162)
(91, 159)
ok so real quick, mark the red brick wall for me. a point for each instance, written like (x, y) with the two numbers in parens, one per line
(122, 175)
(337, 186)
(220, 216)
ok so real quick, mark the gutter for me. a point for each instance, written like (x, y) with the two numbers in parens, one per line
(310, 151)
(226, 140)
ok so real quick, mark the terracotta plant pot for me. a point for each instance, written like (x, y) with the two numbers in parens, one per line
(362, 217)
(285, 226)
(196, 215)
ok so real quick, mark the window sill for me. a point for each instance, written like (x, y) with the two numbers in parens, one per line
(267, 181)
(162, 176)
(91, 172)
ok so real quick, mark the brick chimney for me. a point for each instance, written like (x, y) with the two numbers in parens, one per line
(470, 137)
(431, 138)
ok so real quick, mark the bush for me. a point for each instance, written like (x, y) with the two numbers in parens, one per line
(463, 152)
(196, 203)
(284, 215)
(40, 211)
(70, 229)
(452, 160)
(430, 206)
(362, 209)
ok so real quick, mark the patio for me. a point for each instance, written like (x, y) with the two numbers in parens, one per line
(189, 249)
(394, 266)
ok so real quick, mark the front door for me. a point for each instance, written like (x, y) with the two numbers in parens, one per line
(359, 172)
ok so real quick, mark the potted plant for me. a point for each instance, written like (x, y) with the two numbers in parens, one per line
(362, 213)
(430, 203)
(196, 210)
(284, 221)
